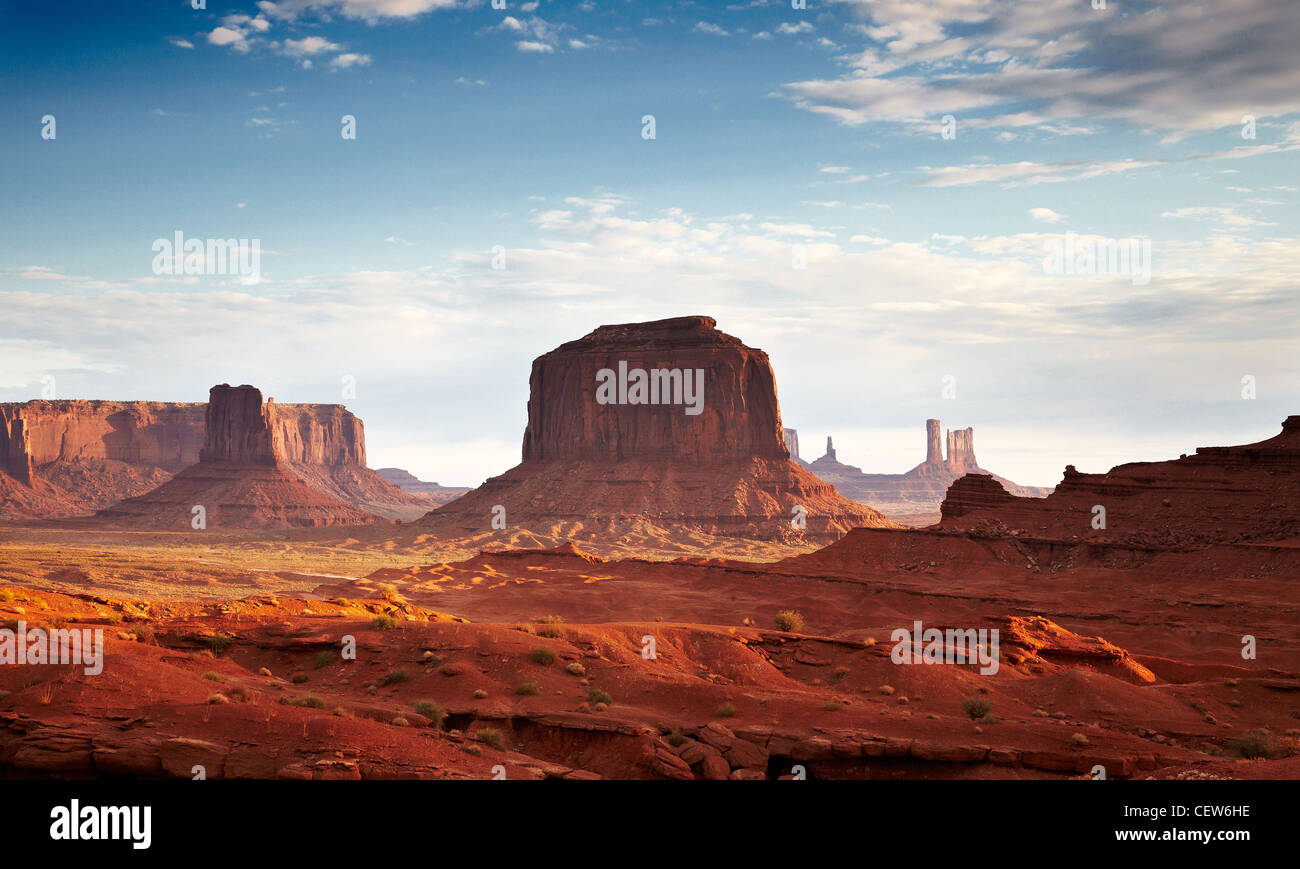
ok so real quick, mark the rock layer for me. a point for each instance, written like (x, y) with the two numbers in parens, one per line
(241, 480)
(739, 418)
(604, 468)
(75, 457)
(1238, 494)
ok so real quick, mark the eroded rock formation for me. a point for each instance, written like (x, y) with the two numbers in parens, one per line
(914, 497)
(242, 479)
(715, 398)
(1239, 494)
(709, 457)
(72, 457)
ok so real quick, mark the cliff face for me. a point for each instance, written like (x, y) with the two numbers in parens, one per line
(607, 462)
(1240, 494)
(152, 433)
(961, 452)
(242, 479)
(675, 388)
(915, 497)
(75, 457)
(240, 429)
(15, 448)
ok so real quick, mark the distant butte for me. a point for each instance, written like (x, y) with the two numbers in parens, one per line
(912, 498)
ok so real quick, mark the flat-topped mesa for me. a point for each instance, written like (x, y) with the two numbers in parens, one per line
(240, 428)
(663, 428)
(247, 476)
(85, 455)
(675, 388)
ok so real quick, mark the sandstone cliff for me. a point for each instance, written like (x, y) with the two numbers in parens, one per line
(605, 462)
(1240, 494)
(242, 479)
(81, 456)
(738, 417)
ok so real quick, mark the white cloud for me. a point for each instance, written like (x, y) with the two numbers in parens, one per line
(225, 36)
(1159, 66)
(308, 45)
(181, 43)
(711, 29)
(1046, 215)
(348, 59)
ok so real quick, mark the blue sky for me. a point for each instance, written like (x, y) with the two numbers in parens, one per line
(810, 136)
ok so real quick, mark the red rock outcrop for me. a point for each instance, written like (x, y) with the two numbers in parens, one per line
(86, 455)
(703, 453)
(914, 497)
(1219, 495)
(734, 415)
(240, 481)
(240, 428)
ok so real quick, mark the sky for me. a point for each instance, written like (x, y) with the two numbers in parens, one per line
(869, 191)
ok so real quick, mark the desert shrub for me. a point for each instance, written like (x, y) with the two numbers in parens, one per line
(491, 737)
(310, 701)
(676, 739)
(211, 676)
(788, 620)
(298, 678)
(434, 712)
(1257, 745)
(324, 659)
(595, 695)
(832, 706)
(545, 657)
(394, 676)
(389, 592)
(726, 710)
(977, 707)
(551, 627)
(383, 623)
(528, 689)
(218, 643)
